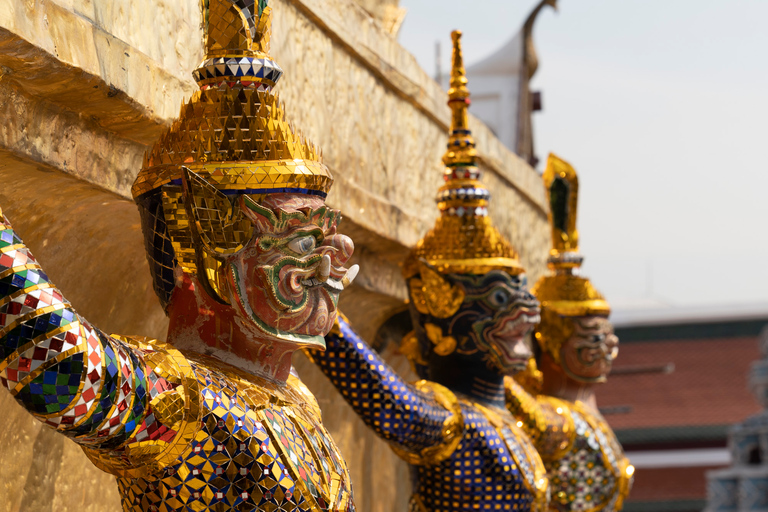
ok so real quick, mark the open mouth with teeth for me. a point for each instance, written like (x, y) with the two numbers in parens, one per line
(288, 306)
(507, 335)
(324, 276)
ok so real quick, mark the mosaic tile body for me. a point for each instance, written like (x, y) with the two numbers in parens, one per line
(256, 449)
(463, 456)
(180, 431)
(587, 468)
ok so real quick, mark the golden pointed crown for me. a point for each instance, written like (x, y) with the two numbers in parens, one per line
(564, 291)
(231, 138)
(233, 132)
(463, 240)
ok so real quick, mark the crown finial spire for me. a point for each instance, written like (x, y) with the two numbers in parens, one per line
(562, 184)
(458, 90)
(461, 144)
(236, 37)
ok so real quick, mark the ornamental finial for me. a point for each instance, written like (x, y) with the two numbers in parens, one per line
(236, 37)
(562, 185)
(458, 90)
(461, 144)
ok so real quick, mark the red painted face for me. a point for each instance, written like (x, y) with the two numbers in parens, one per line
(588, 355)
(287, 280)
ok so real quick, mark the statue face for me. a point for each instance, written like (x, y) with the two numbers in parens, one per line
(287, 280)
(505, 315)
(490, 324)
(588, 354)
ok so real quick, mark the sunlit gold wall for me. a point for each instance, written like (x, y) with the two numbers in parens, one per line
(87, 85)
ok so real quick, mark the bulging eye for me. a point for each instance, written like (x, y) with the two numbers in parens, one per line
(302, 245)
(499, 298)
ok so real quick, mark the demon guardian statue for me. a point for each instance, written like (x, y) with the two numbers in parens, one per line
(247, 262)
(471, 313)
(576, 346)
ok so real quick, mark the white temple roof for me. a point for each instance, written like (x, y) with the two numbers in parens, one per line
(507, 60)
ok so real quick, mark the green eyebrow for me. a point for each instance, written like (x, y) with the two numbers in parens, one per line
(268, 242)
(282, 220)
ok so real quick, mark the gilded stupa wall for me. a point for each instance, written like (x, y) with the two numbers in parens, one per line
(86, 86)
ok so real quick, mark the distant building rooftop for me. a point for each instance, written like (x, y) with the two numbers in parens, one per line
(706, 386)
(678, 385)
(659, 315)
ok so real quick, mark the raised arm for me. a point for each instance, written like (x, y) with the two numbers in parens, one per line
(546, 420)
(93, 388)
(422, 421)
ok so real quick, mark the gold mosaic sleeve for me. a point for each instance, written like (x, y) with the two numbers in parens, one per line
(546, 420)
(117, 398)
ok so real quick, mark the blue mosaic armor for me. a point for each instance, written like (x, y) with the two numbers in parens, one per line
(463, 455)
(180, 431)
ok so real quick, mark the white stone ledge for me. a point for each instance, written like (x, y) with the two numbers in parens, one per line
(695, 457)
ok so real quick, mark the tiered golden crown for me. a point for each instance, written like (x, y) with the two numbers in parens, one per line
(463, 240)
(565, 292)
(231, 138)
(232, 132)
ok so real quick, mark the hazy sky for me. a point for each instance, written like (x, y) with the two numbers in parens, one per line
(662, 108)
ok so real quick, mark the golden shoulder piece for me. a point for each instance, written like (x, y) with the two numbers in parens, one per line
(563, 293)
(453, 427)
(531, 378)
(463, 240)
(179, 408)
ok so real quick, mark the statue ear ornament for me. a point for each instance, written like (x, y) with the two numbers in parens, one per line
(410, 348)
(442, 298)
(444, 345)
(217, 221)
(218, 225)
(416, 292)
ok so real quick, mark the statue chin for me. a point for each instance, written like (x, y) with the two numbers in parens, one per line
(588, 365)
(306, 330)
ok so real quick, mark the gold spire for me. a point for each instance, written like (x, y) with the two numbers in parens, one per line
(236, 37)
(461, 144)
(463, 240)
(562, 185)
